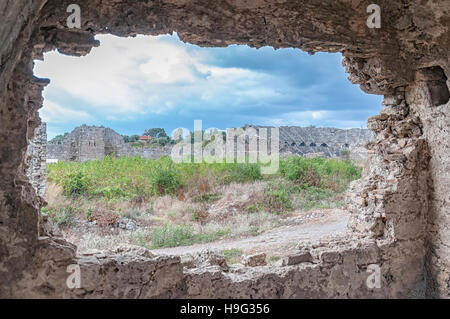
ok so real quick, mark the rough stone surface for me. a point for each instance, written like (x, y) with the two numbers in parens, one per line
(301, 257)
(254, 260)
(400, 208)
(93, 142)
(36, 157)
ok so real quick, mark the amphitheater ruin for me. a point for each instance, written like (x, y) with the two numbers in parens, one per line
(399, 208)
(94, 142)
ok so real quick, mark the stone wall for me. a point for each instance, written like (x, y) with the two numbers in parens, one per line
(37, 158)
(92, 142)
(86, 143)
(425, 99)
(400, 215)
(327, 140)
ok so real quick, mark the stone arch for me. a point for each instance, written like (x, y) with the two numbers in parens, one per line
(388, 61)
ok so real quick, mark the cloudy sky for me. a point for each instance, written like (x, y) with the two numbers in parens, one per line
(130, 84)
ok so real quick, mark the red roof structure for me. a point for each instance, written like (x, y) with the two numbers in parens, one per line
(145, 138)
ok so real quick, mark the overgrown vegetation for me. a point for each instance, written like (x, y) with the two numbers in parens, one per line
(172, 201)
(130, 177)
(170, 235)
(319, 172)
(64, 216)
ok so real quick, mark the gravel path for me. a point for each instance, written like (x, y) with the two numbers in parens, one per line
(277, 241)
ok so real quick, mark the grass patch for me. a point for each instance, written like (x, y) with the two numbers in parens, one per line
(206, 198)
(319, 172)
(65, 216)
(314, 197)
(170, 235)
(233, 255)
(273, 259)
(174, 199)
(139, 178)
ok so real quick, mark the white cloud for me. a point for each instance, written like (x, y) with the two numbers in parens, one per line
(55, 113)
(318, 118)
(159, 81)
(138, 75)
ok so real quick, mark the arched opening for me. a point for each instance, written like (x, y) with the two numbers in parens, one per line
(160, 84)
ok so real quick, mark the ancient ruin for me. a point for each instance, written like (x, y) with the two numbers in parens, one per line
(400, 208)
(91, 142)
(328, 141)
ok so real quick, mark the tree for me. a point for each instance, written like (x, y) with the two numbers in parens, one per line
(155, 132)
(59, 138)
(130, 139)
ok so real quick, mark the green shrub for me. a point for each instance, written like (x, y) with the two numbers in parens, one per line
(277, 198)
(314, 197)
(300, 170)
(243, 172)
(75, 184)
(139, 238)
(319, 172)
(166, 180)
(63, 216)
(170, 235)
(253, 208)
(88, 214)
(345, 154)
(139, 179)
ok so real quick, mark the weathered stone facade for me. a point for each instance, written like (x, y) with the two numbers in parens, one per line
(36, 157)
(327, 140)
(86, 143)
(400, 208)
(92, 142)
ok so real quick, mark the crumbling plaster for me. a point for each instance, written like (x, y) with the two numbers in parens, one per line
(400, 208)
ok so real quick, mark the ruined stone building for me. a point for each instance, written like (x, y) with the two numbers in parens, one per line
(324, 140)
(399, 210)
(86, 143)
(91, 142)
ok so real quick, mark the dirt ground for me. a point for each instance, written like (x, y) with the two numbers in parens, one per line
(279, 241)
